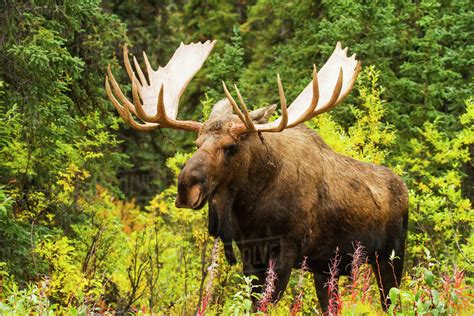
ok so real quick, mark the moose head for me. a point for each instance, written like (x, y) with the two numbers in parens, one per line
(226, 142)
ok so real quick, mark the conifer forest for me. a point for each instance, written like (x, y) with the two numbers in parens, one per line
(89, 223)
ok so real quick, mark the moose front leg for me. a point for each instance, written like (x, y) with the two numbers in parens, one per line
(257, 260)
(281, 260)
(282, 269)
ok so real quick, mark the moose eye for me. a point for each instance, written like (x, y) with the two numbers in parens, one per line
(231, 149)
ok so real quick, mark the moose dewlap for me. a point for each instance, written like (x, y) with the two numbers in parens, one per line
(275, 188)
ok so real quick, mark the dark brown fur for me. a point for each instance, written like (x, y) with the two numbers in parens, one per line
(291, 196)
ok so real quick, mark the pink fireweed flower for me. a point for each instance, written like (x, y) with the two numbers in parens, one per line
(335, 303)
(359, 257)
(269, 287)
(299, 298)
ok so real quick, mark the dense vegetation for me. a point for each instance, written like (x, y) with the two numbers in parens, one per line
(87, 216)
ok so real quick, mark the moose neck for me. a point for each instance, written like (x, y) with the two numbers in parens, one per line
(279, 161)
(264, 164)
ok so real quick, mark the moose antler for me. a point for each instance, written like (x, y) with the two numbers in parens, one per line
(160, 107)
(328, 88)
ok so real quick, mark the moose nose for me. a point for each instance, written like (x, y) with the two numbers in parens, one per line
(192, 199)
(191, 187)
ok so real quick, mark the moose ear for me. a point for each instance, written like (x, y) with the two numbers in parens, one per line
(262, 115)
(222, 107)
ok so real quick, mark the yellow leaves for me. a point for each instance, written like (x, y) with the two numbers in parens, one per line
(332, 133)
(163, 204)
(102, 206)
(176, 162)
(443, 148)
(159, 205)
(93, 155)
(465, 205)
(423, 187)
(66, 280)
(200, 235)
(68, 178)
(50, 217)
(37, 203)
(3, 270)
(468, 118)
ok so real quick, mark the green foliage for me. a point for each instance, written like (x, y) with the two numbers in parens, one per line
(87, 216)
(369, 138)
(428, 294)
(241, 302)
(442, 216)
(226, 67)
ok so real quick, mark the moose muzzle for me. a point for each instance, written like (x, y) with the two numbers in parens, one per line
(192, 187)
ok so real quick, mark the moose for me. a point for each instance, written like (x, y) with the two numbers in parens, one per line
(275, 188)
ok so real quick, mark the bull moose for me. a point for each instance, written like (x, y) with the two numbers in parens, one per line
(275, 188)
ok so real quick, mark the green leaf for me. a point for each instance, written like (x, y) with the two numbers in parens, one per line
(435, 296)
(429, 277)
(394, 295)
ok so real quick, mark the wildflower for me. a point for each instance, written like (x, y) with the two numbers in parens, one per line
(335, 302)
(299, 298)
(269, 288)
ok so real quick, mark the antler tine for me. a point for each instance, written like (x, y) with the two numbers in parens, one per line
(169, 122)
(351, 83)
(129, 68)
(142, 115)
(335, 95)
(112, 98)
(234, 104)
(128, 107)
(149, 70)
(142, 127)
(119, 92)
(248, 119)
(161, 118)
(337, 75)
(137, 107)
(124, 111)
(140, 72)
(160, 106)
(148, 88)
(314, 101)
(282, 124)
(126, 61)
(284, 109)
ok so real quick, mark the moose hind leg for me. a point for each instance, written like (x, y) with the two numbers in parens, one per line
(282, 277)
(322, 291)
(388, 274)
